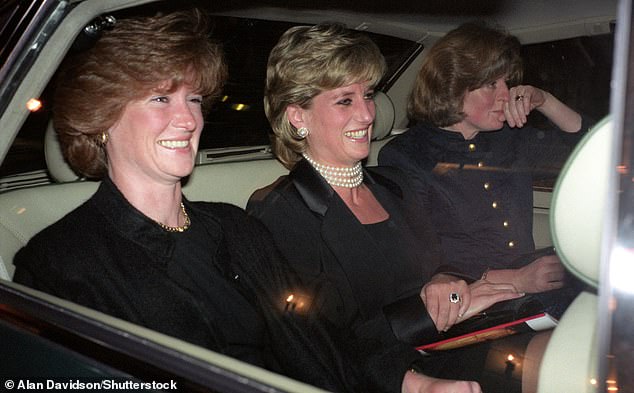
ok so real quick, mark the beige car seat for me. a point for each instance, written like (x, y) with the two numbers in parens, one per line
(25, 212)
(576, 218)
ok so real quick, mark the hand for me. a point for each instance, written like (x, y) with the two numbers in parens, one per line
(419, 383)
(484, 294)
(522, 100)
(543, 274)
(436, 294)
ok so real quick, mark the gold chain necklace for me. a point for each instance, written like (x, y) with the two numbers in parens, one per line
(181, 228)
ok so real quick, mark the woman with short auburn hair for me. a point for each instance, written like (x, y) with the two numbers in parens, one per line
(463, 60)
(115, 72)
(130, 111)
(472, 158)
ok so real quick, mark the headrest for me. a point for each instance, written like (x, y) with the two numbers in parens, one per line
(57, 166)
(580, 201)
(61, 172)
(384, 120)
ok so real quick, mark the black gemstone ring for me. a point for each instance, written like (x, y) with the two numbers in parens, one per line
(454, 297)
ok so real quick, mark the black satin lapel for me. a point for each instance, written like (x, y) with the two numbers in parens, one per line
(315, 192)
(358, 256)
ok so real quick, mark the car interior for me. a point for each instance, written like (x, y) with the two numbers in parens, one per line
(570, 362)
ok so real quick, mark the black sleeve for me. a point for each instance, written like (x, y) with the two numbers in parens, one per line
(410, 321)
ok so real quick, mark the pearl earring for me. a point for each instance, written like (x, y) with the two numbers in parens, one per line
(302, 132)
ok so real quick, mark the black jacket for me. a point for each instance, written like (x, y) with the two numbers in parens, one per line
(109, 256)
(331, 251)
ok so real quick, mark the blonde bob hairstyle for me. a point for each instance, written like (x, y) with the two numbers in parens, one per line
(465, 59)
(139, 56)
(307, 61)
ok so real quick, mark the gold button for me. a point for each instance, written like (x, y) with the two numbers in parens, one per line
(494, 205)
(511, 244)
(506, 224)
(480, 164)
(487, 185)
(472, 146)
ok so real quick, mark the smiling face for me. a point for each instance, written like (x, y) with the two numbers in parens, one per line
(156, 137)
(483, 109)
(340, 124)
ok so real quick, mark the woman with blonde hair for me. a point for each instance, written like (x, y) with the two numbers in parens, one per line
(355, 235)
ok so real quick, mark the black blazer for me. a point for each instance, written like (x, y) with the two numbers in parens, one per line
(325, 243)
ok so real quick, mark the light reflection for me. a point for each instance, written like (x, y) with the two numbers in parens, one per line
(611, 385)
(622, 269)
(34, 105)
(239, 107)
(297, 302)
(510, 366)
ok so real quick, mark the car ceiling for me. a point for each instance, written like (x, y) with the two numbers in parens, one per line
(531, 20)
(419, 20)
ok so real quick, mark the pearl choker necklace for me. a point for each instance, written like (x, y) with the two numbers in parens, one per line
(181, 228)
(349, 177)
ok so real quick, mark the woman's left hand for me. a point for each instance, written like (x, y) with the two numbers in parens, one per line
(446, 298)
(522, 100)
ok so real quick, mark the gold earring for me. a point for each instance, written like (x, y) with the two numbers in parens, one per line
(104, 138)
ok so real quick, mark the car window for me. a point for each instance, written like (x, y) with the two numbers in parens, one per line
(63, 345)
(237, 119)
(578, 72)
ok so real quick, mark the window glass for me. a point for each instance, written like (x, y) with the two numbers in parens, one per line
(578, 72)
(238, 119)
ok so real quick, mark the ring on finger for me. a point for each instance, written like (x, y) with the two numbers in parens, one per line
(454, 297)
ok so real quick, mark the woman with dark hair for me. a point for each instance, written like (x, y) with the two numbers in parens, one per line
(472, 159)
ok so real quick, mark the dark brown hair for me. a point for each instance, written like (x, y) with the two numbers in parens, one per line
(126, 63)
(463, 60)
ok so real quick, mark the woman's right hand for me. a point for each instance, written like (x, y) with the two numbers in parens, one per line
(484, 294)
(419, 383)
(543, 274)
(436, 295)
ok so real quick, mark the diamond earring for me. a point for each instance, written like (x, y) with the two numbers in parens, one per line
(302, 132)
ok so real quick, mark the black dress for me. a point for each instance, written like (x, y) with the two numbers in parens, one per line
(479, 192)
